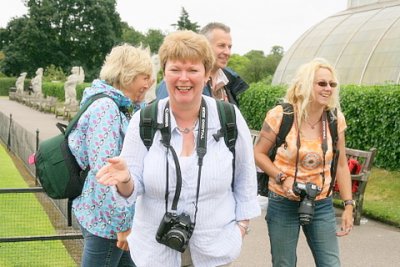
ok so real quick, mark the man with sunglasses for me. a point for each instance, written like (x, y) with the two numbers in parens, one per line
(224, 83)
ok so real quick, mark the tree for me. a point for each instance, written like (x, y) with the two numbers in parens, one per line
(63, 33)
(131, 36)
(184, 22)
(154, 39)
(238, 63)
(256, 70)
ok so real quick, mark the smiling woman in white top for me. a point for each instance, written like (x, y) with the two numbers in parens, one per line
(212, 214)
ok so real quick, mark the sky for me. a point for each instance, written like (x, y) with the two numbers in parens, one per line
(255, 24)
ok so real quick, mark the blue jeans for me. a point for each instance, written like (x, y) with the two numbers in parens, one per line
(284, 228)
(103, 252)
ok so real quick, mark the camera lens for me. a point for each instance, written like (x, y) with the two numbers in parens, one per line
(177, 239)
(306, 211)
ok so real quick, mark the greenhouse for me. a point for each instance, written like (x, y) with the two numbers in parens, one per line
(362, 42)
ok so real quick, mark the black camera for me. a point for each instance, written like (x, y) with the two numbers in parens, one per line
(307, 193)
(175, 231)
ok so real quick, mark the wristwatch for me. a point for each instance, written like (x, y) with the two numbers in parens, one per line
(280, 177)
(349, 202)
(245, 227)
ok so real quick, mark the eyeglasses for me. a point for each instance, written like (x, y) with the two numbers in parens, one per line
(325, 84)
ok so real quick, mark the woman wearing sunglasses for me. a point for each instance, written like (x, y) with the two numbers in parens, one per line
(300, 194)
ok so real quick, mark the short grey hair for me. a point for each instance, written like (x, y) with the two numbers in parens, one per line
(207, 30)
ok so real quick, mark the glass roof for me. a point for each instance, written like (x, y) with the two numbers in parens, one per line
(362, 42)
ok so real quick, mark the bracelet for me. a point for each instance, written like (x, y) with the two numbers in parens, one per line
(245, 227)
(280, 177)
(129, 179)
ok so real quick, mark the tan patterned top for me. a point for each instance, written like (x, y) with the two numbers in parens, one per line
(310, 154)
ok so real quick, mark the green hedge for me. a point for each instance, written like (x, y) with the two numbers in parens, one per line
(372, 116)
(48, 88)
(371, 113)
(7, 82)
(57, 89)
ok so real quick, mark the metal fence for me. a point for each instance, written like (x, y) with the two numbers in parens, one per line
(33, 227)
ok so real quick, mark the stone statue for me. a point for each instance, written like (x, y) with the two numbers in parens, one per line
(151, 93)
(37, 83)
(77, 77)
(19, 84)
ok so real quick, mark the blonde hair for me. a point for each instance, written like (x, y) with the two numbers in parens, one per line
(186, 45)
(299, 93)
(124, 63)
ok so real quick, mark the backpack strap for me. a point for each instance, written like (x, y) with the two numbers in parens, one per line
(332, 117)
(227, 119)
(148, 123)
(284, 128)
(75, 119)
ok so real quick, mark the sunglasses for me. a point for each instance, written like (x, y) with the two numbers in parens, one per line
(325, 84)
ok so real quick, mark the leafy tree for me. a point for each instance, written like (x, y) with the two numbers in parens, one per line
(274, 58)
(254, 66)
(53, 73)
(184, 22)
(131, 36)
(64, 33)
(238, 63)
(16, 47)
(154, 39)
(256, 70)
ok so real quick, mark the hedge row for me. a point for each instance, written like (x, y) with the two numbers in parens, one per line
(57, 89)
(48, 88)
(372, 116)
(371, 113)
(6, 83)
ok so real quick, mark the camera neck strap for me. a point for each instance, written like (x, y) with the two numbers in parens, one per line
(201, 152)
(324, 147)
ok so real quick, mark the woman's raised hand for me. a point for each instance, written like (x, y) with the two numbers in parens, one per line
(114, 172)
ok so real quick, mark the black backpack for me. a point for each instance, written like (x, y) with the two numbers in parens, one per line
(227, 117)
(56, 167)
(286, 125)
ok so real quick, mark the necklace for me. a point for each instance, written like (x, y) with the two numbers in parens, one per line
(186, 130)
(312, 125)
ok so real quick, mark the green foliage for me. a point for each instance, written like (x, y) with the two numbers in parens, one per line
(238, 63)
(372, 117)
(154, 39)
(17, 221)
(184, 22)
(57, 89)
(257, 100)
(5, 84)
(64, 33)
(131, 36)
(53, 73)
(382, 196)
(54, 89)
(80, 88)
(254, 66)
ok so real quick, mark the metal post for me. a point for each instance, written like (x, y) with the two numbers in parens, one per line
(37, 139)
(37, 147)
(9, 134)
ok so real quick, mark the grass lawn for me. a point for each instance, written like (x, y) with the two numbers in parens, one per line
(382, 196)
(19, 215)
